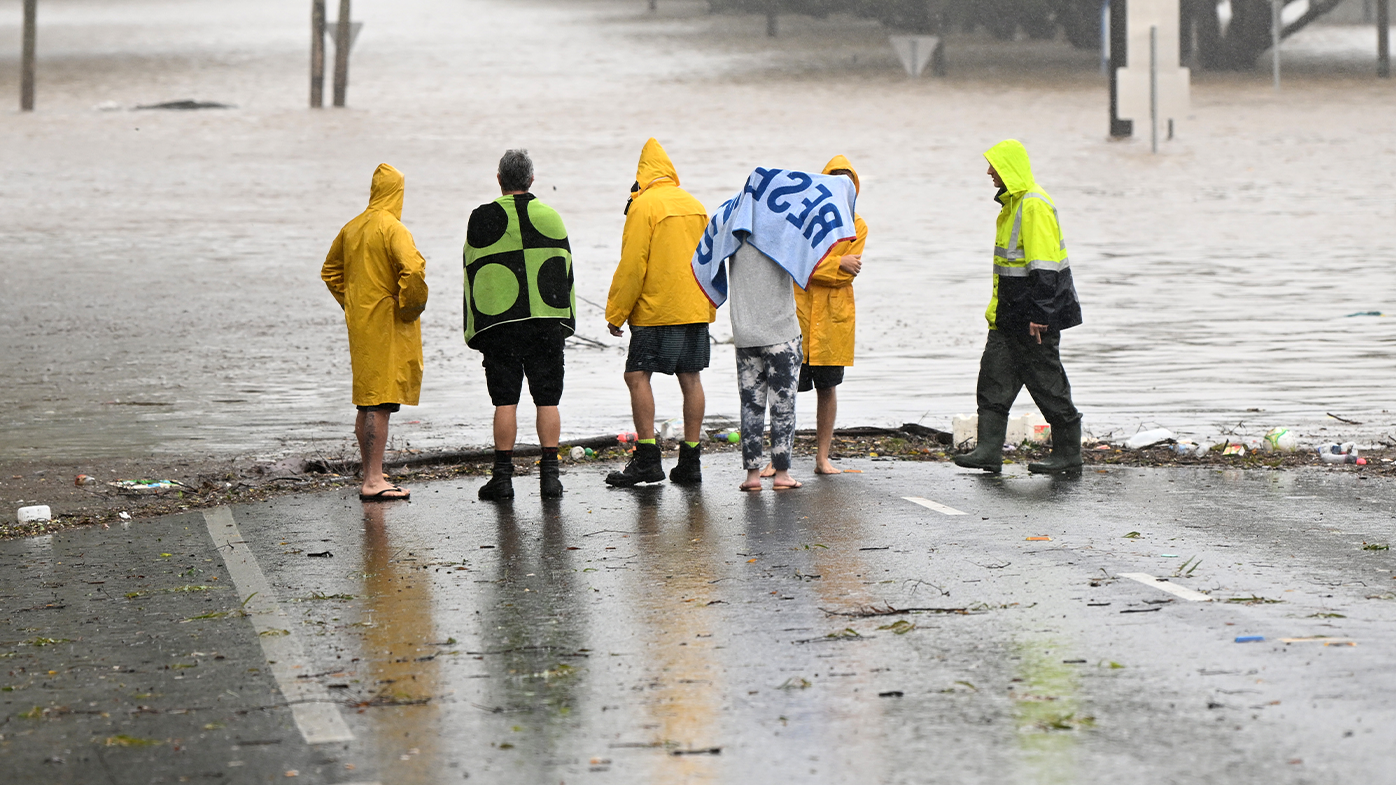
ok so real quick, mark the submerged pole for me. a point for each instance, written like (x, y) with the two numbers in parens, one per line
(1153, 86)
(1275, 29)
(1384, 39)
(341, 54)
(26, 69)
(1119, 52)
(317, 54)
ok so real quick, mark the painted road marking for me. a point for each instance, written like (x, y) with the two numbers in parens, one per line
(315, 712)
(1178, 591)
(930, 505)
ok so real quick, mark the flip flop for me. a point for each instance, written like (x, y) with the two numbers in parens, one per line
(382, 496)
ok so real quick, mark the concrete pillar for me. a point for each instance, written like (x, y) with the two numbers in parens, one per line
(26, 68)
(317, 54)
(1119, 58)
(1384, 39)
(341, 54)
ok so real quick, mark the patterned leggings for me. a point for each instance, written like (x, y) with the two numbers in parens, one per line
(768, 375)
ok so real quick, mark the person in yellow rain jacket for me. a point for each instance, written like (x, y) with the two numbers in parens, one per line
(374, 271)
(655, 292)
(827, 320)
(1034, 299)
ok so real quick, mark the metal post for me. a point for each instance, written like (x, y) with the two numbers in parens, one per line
(1119, 54)
(1384, 39)
(317, 54)
(1275, 29)
(1153, 86)
(654, 5)
(1104, 37)
(341, 54)
(771, 19)
(26, 69)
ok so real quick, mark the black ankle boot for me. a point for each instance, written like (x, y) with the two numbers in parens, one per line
(549, 483)
(690, 468)
(645, 466)
(500, 488)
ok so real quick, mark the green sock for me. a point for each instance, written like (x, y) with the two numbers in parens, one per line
(691, 444)
(647, 441)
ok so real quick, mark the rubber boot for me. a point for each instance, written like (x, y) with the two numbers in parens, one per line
(644, 466)
(500, 488)
(1066, 451)
(988, 453)
(549, 483)
(690, 468)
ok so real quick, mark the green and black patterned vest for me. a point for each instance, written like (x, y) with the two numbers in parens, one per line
(518, 266)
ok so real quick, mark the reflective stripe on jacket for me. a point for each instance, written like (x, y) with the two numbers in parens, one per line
(1032, 272)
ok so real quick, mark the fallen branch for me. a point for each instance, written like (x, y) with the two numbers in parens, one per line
(1342, 419)
(871, 611)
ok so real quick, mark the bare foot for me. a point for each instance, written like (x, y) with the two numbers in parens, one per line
(769, 471)
(750, 486)
(383, 491)
(825, 467)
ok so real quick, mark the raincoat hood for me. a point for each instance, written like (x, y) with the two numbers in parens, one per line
(386, 192)
(654, 166)
(1010, 159)
(840, 162)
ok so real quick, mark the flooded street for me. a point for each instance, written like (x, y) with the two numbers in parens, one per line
(1016, 631)
(160, 275)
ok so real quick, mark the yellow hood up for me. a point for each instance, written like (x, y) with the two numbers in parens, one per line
(654, 166)
(387, 191)
(840, 162)
(1010, 159)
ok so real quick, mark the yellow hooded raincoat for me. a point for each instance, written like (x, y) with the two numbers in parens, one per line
(654, 283)
(375, 272)
(826, 308)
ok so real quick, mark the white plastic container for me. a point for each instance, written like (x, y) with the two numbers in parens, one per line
(1029, 427)
(37, 513)
(964, 428)
(1148, 438)
(671, 429)
(578, 453)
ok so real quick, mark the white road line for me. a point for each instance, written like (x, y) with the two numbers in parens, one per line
(930, 505)
(1178, 591)
(315, 713)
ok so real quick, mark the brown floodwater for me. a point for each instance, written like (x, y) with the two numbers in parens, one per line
(159, 289)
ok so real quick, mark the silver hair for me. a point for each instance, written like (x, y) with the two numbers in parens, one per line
(515, 171)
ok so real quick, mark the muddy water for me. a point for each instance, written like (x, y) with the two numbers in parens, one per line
(160, 282)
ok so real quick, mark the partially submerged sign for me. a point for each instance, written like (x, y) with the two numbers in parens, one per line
(915, 51)
(1174, 82)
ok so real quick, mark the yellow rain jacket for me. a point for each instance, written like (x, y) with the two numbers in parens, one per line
(654, 283)
(826, 308)
(375, 272)
(1032, 274)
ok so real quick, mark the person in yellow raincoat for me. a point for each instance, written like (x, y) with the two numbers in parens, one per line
(827, 321)
(655, 292)
(378, 277)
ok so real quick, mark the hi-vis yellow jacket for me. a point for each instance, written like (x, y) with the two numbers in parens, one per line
(1032, 274)
(827, 315)
(375, 272)
(654, 284)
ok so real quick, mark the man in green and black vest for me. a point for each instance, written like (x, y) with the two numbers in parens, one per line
(1034, 300)
(520, 306)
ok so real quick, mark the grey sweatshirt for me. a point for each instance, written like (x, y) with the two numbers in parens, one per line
(761, 300)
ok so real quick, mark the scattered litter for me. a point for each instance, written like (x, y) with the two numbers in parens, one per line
(1039, 539)
(84, 479)
(1365, 313)
(671, 429)
(1234, 448)
(107, 106)
(1249, 638)
(145, 486)
(1133, 536)
(36, 513)
(1142, 610)
(1321, 639)
(1073, 662)
(891, 694)
(1340, 453)
(1149, 438)
(578, 453)
(321, 555)
(899, 627)
(125, 516)
(795, 683)
(1168, 555)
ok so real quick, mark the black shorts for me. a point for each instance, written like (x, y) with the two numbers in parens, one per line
(523, 350)
(382, 407)
(820, 377)
(669, 348)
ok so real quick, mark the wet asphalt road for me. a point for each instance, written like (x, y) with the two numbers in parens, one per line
(672, 635)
